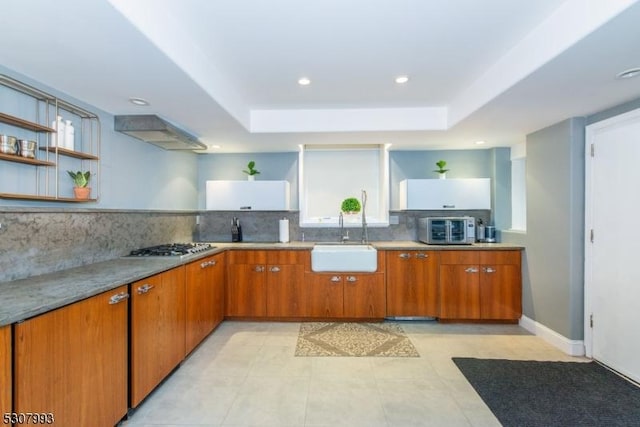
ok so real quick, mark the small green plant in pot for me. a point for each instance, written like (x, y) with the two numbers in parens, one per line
(251, 170)
(350, 205)
(441, 164)
(81, 181)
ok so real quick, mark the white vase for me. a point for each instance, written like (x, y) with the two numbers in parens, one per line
(443, 175)
(251, 177)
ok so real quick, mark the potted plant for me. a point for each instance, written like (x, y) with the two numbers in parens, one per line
(441, 169)
(81, 180)
(350, 205)
(251, 171)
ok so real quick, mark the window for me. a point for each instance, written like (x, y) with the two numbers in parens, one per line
(330, 174)
(518, 188)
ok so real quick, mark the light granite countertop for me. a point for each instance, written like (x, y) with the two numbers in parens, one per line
(381, 245)
(25, 298)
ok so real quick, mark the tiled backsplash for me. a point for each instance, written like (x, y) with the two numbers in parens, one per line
(263, 226)
(34, 243)
(38, 242)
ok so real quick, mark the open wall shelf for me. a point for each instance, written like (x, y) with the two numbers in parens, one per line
(47, 170)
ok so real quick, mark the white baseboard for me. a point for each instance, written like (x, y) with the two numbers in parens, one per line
(570, 347)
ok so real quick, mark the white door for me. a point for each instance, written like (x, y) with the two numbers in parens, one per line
(612, 267)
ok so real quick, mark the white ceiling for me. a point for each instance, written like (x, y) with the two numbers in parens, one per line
(227, 70)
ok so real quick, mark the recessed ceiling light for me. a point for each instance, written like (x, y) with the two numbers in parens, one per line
(627, 74)
(479, 142)
(139, 101)
(304, 81)
(402, 79)
(215, 146)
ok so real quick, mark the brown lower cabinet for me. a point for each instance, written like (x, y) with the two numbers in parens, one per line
(346, 295)
(364, 296)
(72, 362)
(204, 298)
(157, 331)
(286, 291)
(266, 283)
(245, 292)
(480, 285)
(5, 370)
(412, 283)
(325, 295)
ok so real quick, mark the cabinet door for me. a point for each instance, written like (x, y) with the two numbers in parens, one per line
(246, 290)
(501, 291)
(72, 362)
(219, 277)
(412, 283)
(324, 295)
(199, 295)
(364, 296)
(5, 370)
(286, 291)
(258, 195)
(459, 291)
(157, 330)
(461, 193)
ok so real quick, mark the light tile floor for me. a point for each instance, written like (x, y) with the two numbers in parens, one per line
(246, 374)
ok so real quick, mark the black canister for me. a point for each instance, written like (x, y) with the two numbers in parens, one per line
(236, 230)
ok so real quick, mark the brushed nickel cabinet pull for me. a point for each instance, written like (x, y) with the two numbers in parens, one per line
(145, 288)
(336, 278)
(404, 255)
(115, 299)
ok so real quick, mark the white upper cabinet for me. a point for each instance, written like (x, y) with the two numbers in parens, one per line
(253, 195)
(439, 194)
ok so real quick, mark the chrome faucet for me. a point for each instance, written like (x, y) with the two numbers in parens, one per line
(343, 237)
(365, 230)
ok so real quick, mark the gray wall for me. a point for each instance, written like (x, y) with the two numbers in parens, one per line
(614, 111)
(501, 187)
(553, 286)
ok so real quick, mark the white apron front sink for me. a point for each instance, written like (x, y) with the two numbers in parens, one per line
(346, 258)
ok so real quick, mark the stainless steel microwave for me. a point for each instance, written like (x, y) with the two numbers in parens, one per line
(447, 230)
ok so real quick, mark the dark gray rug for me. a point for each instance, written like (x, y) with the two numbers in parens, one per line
(547, 394)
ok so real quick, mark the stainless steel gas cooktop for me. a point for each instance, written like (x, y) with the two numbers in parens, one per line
(174, 250)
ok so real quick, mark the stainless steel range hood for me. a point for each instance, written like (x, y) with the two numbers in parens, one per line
(157, 131)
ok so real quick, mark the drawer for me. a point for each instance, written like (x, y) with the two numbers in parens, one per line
(500, 257)
(287, 257)
(247, 257)
(460, 257)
